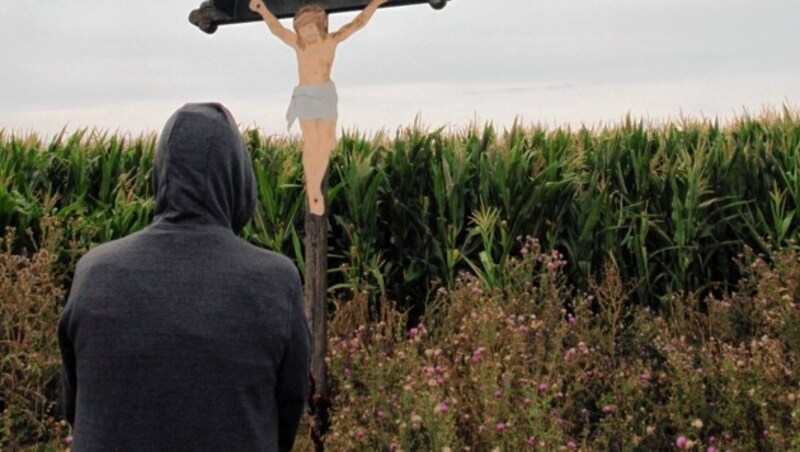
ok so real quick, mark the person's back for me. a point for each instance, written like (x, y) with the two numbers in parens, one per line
(183, 336)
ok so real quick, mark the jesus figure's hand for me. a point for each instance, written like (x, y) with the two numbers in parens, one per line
(257, 5)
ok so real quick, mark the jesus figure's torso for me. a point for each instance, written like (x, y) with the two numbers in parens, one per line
(315, 61)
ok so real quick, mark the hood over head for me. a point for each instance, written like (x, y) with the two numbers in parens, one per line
(202, 172)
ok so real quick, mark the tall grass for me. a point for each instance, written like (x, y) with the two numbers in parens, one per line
(669, 205)
(31, 294)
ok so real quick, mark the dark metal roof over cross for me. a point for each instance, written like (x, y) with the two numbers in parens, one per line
(213, 13)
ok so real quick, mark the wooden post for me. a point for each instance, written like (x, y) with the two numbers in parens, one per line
(316, 300)
(316, 308)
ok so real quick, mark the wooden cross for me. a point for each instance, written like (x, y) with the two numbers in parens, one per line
(315, 106)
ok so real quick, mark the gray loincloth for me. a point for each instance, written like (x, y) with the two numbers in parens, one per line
(313, 102)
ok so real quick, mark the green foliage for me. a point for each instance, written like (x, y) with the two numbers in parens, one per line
(670, 205)
(280, 193)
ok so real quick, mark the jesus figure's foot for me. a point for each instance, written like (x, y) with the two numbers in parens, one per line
(316, 205)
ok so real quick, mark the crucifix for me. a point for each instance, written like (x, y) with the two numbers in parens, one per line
(314, 104)
(314, 101)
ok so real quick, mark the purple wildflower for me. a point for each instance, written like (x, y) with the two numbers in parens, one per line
(476, 355)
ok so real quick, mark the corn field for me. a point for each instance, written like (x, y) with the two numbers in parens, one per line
(670, 205)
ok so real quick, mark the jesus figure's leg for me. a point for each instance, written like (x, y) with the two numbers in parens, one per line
(319, 139)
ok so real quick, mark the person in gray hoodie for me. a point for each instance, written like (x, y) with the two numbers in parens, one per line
(182, 336)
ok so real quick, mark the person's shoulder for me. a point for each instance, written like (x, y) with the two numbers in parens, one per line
(267, 261)
(271, 274)
(109, 252)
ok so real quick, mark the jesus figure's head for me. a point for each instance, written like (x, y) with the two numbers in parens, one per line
(310, 24)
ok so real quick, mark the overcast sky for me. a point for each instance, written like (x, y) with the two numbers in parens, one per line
(127, 65)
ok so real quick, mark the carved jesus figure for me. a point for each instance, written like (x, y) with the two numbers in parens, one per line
(314, 100)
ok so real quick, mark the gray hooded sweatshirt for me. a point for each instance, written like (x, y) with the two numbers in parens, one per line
(182, 336)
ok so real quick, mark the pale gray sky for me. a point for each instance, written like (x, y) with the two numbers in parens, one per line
(128, 65)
